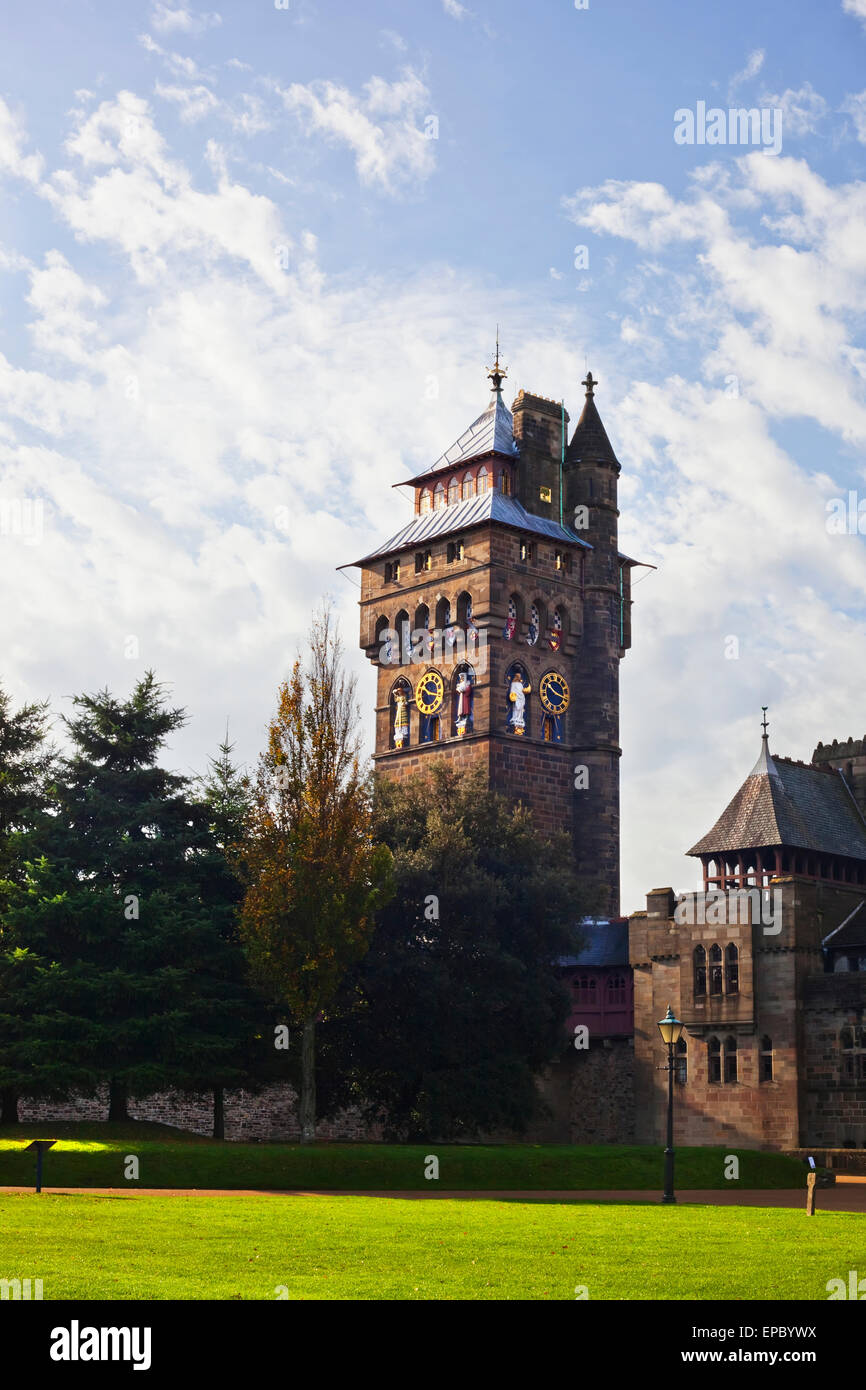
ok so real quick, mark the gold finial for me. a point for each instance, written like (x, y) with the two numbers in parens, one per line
(497, 374)
(590, 384)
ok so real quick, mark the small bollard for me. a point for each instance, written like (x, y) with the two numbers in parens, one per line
(40, 1145)
(811, 1189)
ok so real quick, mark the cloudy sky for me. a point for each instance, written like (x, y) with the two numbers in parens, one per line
(251, 263)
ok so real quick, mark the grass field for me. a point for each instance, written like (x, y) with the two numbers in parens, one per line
(329, 1247)
(93, 1155)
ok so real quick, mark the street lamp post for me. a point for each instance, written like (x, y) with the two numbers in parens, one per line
(671, 1030)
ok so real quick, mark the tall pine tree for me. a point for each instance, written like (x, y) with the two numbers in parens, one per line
(26, 761)
(133, 977)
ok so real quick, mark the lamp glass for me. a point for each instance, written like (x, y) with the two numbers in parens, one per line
(670, 1028)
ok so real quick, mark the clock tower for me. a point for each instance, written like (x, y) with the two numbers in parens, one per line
(497, 615)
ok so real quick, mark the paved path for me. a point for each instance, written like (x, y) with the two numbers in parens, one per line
(849, 1194)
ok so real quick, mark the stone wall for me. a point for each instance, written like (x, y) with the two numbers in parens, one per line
(835, 1105)
(591, 1094)
(270, 1115)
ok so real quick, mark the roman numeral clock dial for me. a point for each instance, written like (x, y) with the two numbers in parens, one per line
(429, 692)
(554, 692)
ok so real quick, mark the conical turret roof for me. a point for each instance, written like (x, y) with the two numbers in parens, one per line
(590, 443)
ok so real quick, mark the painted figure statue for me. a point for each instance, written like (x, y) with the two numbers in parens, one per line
(401, 719)
(464, 703)
(517, 695)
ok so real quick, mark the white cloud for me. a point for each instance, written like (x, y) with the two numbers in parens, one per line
(194, 103)
(855, 7)
(146, 203)
(380, 127)
(802, 109)
(754, 63)
(13, 139)
(181, 20)
(455, 9)
(855, 107)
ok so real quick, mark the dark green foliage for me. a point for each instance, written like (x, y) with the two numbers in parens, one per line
(457, 1005)
(124, 914)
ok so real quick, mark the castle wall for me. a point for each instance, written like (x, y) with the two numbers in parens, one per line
(269, 1116)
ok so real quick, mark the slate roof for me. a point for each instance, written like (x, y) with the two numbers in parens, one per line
(492, 432)
(589, 441)
(789, 804)
(851, 932)
(606, 944)
(474, 511)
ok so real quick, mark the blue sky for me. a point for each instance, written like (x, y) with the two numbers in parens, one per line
(241, 293)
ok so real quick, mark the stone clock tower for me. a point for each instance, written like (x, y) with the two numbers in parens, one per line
(496, 618)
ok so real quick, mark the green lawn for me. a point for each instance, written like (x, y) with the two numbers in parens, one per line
(246, 1247)
(92, 1155)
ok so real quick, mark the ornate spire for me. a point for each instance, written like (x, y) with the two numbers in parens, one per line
(765, 764)
(497, 374)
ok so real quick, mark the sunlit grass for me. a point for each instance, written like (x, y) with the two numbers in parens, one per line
(330, 1247)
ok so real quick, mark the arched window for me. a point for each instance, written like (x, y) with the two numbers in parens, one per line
(463, 701)
(422, 647)
(443, 613)
(453, 491)
(585, 990)
(714, 1060)
(617, 992)
(766, 1070)
(401, 695)
(464, 608)
(852, 1053)
(556, 629)
(730, 1059)
(715, 969)
(700, 965)
(426, 500)
(429, 728)
(389, 648)
(534, 624)
(514, 615)
(681, 1062)
(468, 488)
(404, 636)
(732, 970)
(438, 497)
(483, 480)
(518, 689)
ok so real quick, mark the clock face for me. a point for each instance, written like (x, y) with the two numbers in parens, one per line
(554, 692)
(429, 692)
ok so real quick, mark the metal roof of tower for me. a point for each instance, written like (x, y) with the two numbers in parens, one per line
(490, 506)
(492, 432)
